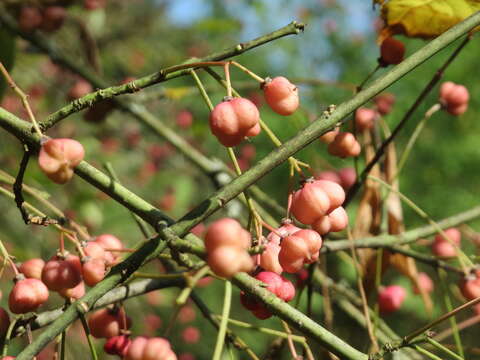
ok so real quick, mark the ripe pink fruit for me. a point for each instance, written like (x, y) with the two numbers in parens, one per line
(227, 232)
(322, 225)
(58, 158)
(186, 314)
(338, 219)
(226, 261)
(392, 52)
(94, 250)
(391, 298)
(444, 247)
(93, 271)
(117, 345)
(108, 241)
(232, 120)
(310, 202)
(335, 193)
(365, 118)
(313, 241)
(106, 323)
(79, 89)
(454, 98)
(281, 95)
(53, 18)
(184, 119)
(27, 295)
(73, 293)
(328, 175)
(425, 283)
(58, 274)
(269, 258)
(348, 176)
(470, 286)
(29, 18)
(285, 230)
(294, 251)
(4, 322)
(32, 268)
(384, 103)
(344, 145)
(191, 335)
(155, 348)
(329, 136)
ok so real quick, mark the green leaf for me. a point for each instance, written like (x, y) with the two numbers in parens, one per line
(7, 55)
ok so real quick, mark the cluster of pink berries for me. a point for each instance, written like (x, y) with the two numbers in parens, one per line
(345, 177)
(446, 247)
(454, 98)
(227, 243)
(236, 118)
(58, 158)
(318, 203)
(341, 144)
(277, 285)
(63, 273)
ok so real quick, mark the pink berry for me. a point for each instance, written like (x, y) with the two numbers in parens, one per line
(186, 314)
(191, 335)
(425, 283)
(232, 120)
(313, 241)
(445, 246)
(348, 176)
(93, 271)
(322, 225)
(470, 287)
(281, 95)
(269, 258)
(136, 348)
(328, 175)
(226, 261)
(105, 323)
(117, 345)
(391, 298)
(365, 118)
(32, 268)
(184, 119)
(329, 136)
(335, 193)
(444, 249)
(27, 295)
(286, 291)
(338, 219)
(454, 97)
(384, 103)
(293, 253)
(58, 158)
(310, 202)
(94, 250)
(227, 232)
(58, 274)
(285, 230)
(73, 293)
(392, 52)
(248, 151)
(344, 145)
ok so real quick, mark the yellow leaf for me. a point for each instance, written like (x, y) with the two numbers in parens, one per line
(424, 18)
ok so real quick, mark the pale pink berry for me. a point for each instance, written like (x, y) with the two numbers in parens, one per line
(329, 136)
(93, 271)
(450, 235)
(470, 286)
(285, 230)
(365, 118)
(184, 119)
(446, 248)
(329, 175)
(348, 176)
(27, 295)
(384, 103)
(454, 98)
(79, 89)
(32, 268)
(232, 120)
(136, 348)
(105, 323)
(294, 250)
(73, 293)
(94, 250)
(227, 232)
(313, 241)
(338, 219)
(281, 95)
(424, 282)
(310, 202)
(322, 225)
(335, 193)
(58, 158)
(269, 258)
(391, 298)
(344, 145)
(191, 335)
(226, 261)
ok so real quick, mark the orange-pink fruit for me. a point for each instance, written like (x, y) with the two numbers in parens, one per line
(27, 295)
(281, 95)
